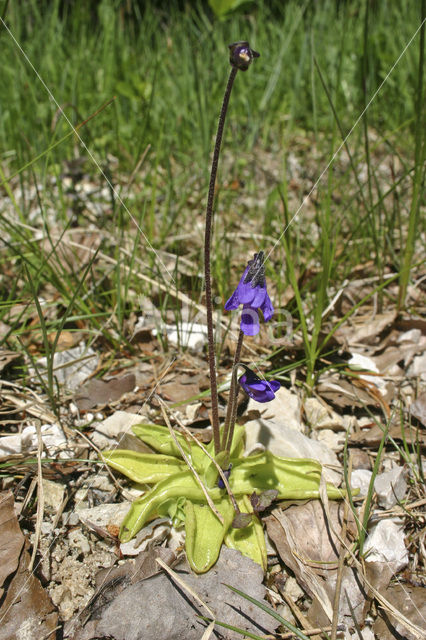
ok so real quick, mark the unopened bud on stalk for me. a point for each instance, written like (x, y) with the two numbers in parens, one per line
(241, 55)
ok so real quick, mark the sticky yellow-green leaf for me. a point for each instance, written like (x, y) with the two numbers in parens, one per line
(204, 533)
(145, 468)
(147, 507)
(250, 540)
(158, 438)
(291, 477)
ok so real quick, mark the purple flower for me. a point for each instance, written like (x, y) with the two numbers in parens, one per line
(251, 293)
(258, 389)
(241, 56)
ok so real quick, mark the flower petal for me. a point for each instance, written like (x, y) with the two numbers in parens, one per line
(258, 389)
(274, 384)
(264, 396)
(247, 293)
(249, 384)
(256, 386)
(267, 308)
(258, 297)
(233, 302)
(249, 321)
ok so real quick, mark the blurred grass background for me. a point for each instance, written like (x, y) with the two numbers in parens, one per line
(166, 64)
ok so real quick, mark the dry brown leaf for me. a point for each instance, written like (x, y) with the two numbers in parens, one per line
(181, 388)
(308, 545)
(393, 355)
(352, 601)
(317, 545)
(416, 322)
(378, 575)
(100, 392)
(418, 408)
(6, 357)
(282, 533)
(342, 393)
(66, 340)
(372, 437)
(364, 329)
(11, 538)
(411, 602)
(26, 610)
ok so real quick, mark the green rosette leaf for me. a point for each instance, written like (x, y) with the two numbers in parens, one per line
(149, 506)
(144, 468)
(250, 541)
(204, 533)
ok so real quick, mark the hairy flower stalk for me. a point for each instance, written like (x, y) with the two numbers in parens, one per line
(240, 58)
(231, 410)
(252, 294)
(255, 387)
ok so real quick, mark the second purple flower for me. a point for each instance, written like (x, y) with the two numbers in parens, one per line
(258, 389)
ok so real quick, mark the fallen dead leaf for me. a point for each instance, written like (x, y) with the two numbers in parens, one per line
(342, 393)
(6, 357)
(411, 602)
(352, 601)
(364, 329)
(372, 436)
(11, 538)
(66, 340)
(316, 544)
(100, 392)
(418, 408)
(26, 610)
(308, 545)
(181, 388)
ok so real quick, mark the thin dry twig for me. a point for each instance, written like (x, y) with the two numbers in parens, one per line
(311, 632)
(33, 408)
(208, 632)
(188, 462)
(341, 563)
(184, 586)
(220, 470)
(40, 499)
(301, 618)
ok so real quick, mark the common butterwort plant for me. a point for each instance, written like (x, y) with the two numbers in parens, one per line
(213, 490)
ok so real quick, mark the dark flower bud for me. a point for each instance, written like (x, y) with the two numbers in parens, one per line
(256, 271)
(226, 473)
(241, 55)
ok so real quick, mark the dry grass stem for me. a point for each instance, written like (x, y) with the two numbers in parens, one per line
(40, 499)
(184, 586)
(188, 462)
